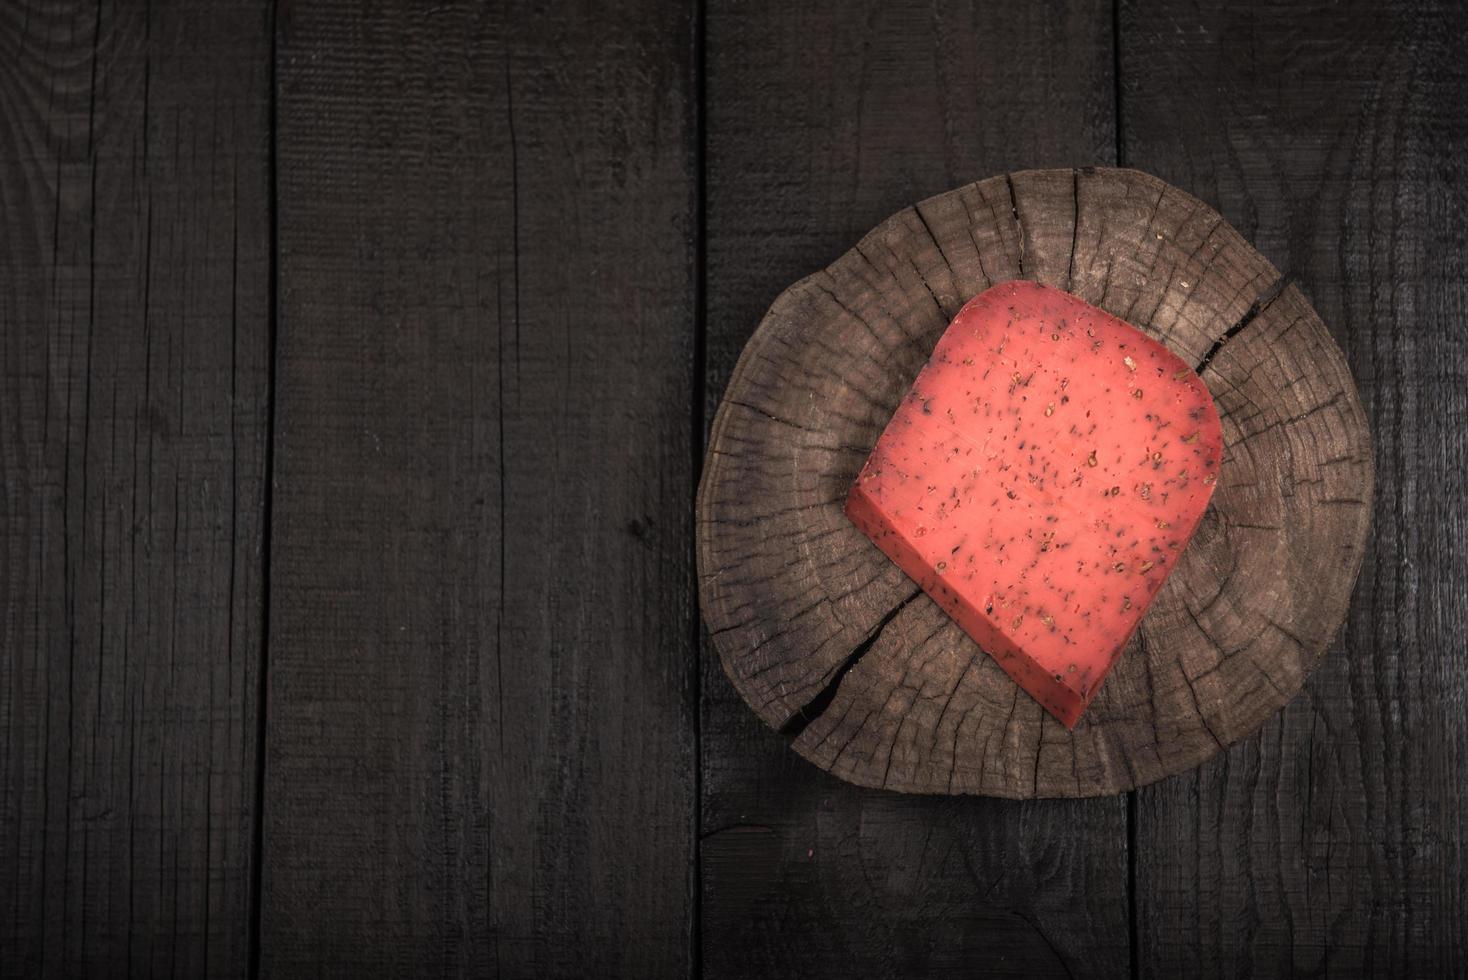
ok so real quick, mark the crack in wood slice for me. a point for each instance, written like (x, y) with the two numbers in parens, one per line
(805, 611)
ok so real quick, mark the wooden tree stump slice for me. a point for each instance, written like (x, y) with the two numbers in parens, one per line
(830, 643)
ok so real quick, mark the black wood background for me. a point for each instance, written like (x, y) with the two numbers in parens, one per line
(355, 363)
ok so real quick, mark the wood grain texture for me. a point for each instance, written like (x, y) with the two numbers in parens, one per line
(134, 351)
(827, 641)
(479, 756)
(1331, 843)
(822, 120)
(481, 747)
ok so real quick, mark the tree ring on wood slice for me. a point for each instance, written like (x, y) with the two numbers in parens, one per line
(830, 643)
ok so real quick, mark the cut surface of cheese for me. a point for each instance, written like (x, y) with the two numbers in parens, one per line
(1040, 480)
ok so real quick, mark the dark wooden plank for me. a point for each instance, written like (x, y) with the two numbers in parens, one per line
(1332, 135)
(823, 119)
(480, 719)
(134, 352)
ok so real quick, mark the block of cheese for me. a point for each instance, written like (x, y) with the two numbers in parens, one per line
(1040, 480)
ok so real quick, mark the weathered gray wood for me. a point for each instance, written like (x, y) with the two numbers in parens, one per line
(480, 747)
(827, 639)
(1331, 844)
(822, 118)
(134, 353)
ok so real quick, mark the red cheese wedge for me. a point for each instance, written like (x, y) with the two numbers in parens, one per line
(1040, 480)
